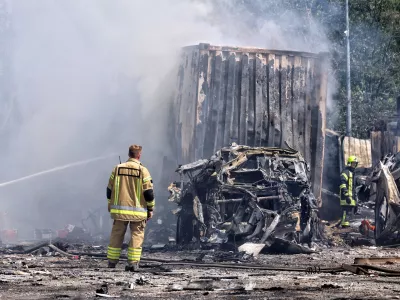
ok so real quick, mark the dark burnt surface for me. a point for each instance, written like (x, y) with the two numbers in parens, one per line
(54, 277)
(247, 194)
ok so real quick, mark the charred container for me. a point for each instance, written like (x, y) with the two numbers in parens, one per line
(254, 97)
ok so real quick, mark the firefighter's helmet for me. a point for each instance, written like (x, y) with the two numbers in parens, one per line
(352, 159)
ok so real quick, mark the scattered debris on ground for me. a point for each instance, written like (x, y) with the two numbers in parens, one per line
(361, 272)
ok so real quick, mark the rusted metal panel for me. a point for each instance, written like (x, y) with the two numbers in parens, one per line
(251, 96)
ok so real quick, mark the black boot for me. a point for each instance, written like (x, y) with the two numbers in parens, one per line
(133, 267)
(112, 265)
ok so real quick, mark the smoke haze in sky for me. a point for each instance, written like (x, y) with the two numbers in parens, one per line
(91, 77)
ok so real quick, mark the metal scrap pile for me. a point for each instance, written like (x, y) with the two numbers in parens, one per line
(246, 194)
(382, 187)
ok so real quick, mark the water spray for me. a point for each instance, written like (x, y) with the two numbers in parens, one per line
(55, 169)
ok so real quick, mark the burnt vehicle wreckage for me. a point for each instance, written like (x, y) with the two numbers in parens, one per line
(246, 194)
(381, 190)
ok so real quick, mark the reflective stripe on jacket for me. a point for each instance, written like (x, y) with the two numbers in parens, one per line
(347, 188)
(127, 182)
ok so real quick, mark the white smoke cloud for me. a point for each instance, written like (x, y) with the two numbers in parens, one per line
(92, 77)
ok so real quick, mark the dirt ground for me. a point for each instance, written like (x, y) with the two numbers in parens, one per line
(56, 277)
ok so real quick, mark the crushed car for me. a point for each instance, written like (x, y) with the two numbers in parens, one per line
(247, 194)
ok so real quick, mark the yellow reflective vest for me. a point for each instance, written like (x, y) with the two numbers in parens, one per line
(127, 183)
(347, 188)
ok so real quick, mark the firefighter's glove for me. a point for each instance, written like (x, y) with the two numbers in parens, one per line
(348, 200)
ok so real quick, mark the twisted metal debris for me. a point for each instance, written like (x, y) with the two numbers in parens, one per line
(382, 189)
(247, 194)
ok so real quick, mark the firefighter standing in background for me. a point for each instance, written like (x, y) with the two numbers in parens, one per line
(131, 202)
(348, 195)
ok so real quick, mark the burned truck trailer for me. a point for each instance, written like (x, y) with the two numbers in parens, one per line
(249, 134)
(250, 96)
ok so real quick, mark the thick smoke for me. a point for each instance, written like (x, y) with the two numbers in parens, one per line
(89, 78)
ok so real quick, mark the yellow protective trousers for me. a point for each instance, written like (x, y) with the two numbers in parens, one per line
(347, 211)
(117, 238)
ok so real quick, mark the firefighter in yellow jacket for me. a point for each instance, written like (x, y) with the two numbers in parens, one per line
(131, 202)
(348, 195)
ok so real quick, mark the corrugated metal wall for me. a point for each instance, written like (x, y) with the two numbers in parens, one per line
(250, 96)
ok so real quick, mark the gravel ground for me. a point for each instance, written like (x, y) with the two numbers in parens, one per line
(54, 277)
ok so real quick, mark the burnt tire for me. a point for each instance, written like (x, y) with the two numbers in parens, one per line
(184, 229)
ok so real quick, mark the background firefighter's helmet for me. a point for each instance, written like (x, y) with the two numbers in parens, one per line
(352, 159)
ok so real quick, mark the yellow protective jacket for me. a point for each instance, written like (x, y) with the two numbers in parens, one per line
(128, 183)
(347, 188)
